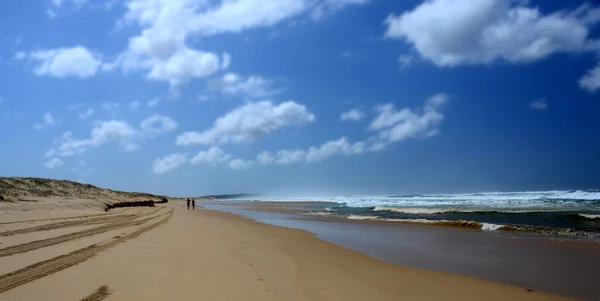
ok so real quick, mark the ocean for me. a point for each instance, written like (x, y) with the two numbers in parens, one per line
(571, 213)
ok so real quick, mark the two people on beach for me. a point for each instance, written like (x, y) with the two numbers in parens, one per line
(193, 204)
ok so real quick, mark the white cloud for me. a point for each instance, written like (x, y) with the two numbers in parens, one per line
(157, 124)
(47, 120)
(54, 163)
(335, 147)
(390, 126)
(134, 106)
(329, 7)
(184, 65)
(113, 130)
(540, 104)
(289, 156)
(212, 156)
(226, 61)
(216, 156)
(282, 157)
(405, 61)
(249, 123)
(346, 54)
(352, 115)
(394, 126)
(387, 116)
(64, 62)
(591, 80)
(169, 162)
(458, 32)
(86, 114)
(103, 132)
(253, 86)
(238, 15)
(265, 158)
(153, 103)
(118, 131)
(110, 66)
(161, 48)
(239, 164)
(314, 153)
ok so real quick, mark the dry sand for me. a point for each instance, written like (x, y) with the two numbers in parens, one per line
(170, 253)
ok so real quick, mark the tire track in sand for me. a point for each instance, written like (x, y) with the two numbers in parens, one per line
(54, 219)
(101, 293)
(37, 244)
(53, 265)
(53, 226)
(66, 217)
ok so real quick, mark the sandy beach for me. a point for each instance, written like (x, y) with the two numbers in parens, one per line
(170, 253)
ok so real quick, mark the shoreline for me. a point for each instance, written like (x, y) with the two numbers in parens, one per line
(322, 211)
(491, 255)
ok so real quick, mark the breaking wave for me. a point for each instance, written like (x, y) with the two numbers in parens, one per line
(529, 200)
(458, 223)
(590, 216)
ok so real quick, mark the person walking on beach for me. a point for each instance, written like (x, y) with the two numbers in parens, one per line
(188, 203)
(193, 204)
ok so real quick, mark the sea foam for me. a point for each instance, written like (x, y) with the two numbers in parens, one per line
(486, 201)
(448, 223)
(491, 227)
(590, 216)
(362, 217)
(411, 210)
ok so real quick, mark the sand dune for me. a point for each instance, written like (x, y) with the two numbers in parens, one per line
(58, 198)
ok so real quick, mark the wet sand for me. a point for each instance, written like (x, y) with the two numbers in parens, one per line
(565, 268)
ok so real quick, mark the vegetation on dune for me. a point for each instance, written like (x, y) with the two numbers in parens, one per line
(12, 189)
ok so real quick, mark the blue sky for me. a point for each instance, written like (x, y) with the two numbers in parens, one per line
(302, 97)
